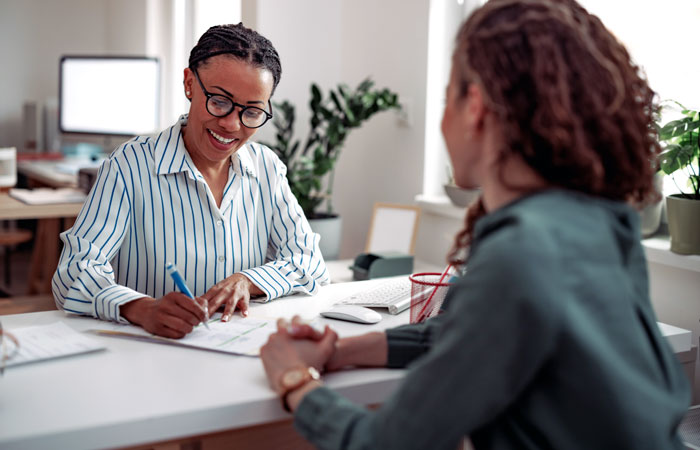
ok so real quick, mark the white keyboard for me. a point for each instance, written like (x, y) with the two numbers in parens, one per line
(393, 294)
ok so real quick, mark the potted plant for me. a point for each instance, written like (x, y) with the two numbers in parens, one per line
(310, 167)
(680, 156)
(650, 215)
(458, 196)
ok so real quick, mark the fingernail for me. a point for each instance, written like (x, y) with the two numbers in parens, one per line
(245, 313)
(225, 318)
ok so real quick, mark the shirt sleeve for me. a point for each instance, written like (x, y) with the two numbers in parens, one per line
(408, 342)
(294, 261)
(490, 345)
(84, 280)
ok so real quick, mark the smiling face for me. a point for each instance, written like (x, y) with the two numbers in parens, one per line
(212, 140)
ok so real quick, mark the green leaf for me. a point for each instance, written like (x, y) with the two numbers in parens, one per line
(335, 100)
(330, 121)
(316, 95)
(365, 85)
(677, 128)
(675, 157)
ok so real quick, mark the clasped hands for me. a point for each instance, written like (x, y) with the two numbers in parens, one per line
(298, 345)
(175, 315)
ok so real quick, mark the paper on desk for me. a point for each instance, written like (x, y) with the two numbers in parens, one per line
(41, 342)
(47, 196)
(239, 336)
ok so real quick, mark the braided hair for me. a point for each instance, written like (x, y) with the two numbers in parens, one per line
(571, 102)
(241, 43)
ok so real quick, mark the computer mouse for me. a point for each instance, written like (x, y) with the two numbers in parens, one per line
(352, 313)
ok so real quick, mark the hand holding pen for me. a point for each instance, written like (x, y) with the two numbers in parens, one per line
(180, 283)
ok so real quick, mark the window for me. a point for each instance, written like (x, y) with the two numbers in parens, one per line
(660, 37)
(174, 26)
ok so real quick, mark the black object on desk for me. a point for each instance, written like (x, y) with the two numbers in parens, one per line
(86, 178)
(381, 264)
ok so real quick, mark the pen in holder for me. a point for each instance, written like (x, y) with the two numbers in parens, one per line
(428, 291)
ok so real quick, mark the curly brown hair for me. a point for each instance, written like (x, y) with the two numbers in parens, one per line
(571, 102)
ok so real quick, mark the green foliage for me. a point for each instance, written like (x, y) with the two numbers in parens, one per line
(682, 148)
(331, 120)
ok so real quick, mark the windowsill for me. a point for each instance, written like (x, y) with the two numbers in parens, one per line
(658, 250)
(440, 205)
(657, 247)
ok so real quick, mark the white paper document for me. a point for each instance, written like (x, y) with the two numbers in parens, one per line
(239, 336)
(42, 342)
(47, 196)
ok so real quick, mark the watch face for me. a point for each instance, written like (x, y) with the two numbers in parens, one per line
(292, 378)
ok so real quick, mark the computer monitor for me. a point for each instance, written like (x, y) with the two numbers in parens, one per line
(109, 95)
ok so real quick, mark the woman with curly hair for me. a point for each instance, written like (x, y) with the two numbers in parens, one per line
(549, 339)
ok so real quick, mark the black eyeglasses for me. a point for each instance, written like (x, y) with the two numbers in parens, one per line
(221, 106)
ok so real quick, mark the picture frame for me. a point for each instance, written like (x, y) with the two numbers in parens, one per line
(394, 227)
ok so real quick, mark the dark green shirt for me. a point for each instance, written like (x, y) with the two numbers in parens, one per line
(548, 341)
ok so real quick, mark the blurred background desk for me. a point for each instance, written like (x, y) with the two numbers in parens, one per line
(52, 220)
(46, 173)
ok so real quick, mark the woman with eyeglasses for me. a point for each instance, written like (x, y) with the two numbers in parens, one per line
(200, 195)
(549, 340)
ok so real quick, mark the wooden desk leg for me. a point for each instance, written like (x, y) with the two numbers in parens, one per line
(44, 256)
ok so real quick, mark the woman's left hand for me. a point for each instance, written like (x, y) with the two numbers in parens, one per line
(232, 292)
(283, 352)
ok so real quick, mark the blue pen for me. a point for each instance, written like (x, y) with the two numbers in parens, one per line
(180, 283)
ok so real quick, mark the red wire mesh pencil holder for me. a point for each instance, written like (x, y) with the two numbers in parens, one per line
(427, 295)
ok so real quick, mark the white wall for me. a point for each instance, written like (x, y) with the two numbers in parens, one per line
(306, 34)
(382, 161)
(675, 295)
(34, 34)
(325, 41)
(329, 42)
(125, 27)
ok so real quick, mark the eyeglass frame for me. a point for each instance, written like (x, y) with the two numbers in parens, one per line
(243, 108)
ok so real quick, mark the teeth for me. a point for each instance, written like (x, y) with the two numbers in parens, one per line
(221, 139)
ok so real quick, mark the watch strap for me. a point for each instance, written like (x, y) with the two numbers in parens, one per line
(310, 374)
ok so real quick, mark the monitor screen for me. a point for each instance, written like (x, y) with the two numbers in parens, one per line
(109, 95)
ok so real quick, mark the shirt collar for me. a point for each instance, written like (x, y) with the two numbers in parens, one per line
(242, 162)
(171, 156)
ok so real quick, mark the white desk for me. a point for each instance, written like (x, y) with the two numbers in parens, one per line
(135, 392)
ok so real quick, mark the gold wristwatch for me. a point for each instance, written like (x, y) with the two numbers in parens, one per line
(293, 379)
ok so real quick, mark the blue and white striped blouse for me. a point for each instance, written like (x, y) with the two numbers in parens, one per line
(150, 205)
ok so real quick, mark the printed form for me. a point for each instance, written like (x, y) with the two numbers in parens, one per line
(239, 336)
(41, 342)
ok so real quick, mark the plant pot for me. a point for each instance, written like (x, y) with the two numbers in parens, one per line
(650, 216)
(684, 224)
(461, 197)
(329, 228)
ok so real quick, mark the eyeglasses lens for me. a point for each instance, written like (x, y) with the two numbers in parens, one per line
(250, 116)
(219, 106)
